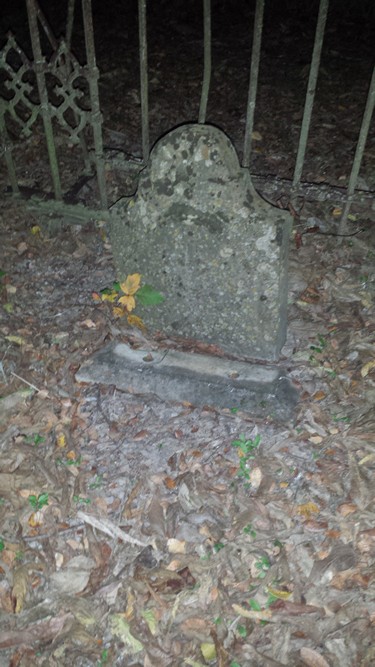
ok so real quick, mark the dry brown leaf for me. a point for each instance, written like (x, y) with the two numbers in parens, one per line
(312, 658)
(350, 579)
(20, 587)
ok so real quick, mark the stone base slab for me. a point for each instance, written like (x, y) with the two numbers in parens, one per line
(262, 390)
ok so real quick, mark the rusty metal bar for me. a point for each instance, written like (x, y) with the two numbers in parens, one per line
(45, 25)
(310, 95)
(69, 24)
(43, 94)
(253, 83)
(6, 145)
(96, 118)
(207, 60)
(365, 126)
(142, 27)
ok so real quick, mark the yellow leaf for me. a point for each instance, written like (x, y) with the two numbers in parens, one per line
(128, 302)
(208, 651)
(281, 595)
(256, 136)
(337, 212)
(61, 440)
(150, 618)
(36, 519)
(136, 321)
(367, 368)
(131, 284)
(263, 615)
(35, 230)
(111, 297)
(307, 509)
(15, 339)
(120, 628)
(118, 311)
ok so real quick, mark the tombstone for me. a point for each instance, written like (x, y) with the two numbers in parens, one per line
(199, 233)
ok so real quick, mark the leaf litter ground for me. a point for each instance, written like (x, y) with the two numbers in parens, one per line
(132, 530)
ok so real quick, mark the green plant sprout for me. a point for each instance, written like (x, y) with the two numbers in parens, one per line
(245, 447)
(322, 344)
(69, 462)
(97, 483)
(263, 565)
(79, 499)
(103, 658)
(34, 439)
(241, 631)
(337, 418)
(249, 530)
(37, 502)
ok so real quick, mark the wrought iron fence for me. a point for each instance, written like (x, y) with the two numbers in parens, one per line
(51, 87)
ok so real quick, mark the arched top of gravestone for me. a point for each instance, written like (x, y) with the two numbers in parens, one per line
(202, 152)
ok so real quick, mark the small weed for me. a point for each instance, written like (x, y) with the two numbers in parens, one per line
(37, 502)
(79, 499)
(322, 344)
(263, 565)
(218, 547)
(242, 631)
(69, 462)
(249, 530)
(103, 658)
(2, 545)
(97, 483)
(19, 556)
(345, 418)
(245, 447)
(34, 439)
(254, 605)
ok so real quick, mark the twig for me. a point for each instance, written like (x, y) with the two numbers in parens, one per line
(25, 381)
(109, 528)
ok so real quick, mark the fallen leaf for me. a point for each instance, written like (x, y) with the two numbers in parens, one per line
(307, 509)
(312, 658)
(208, 651)
(20, 587)
(176, 546)
(251, 613)
(367, 368)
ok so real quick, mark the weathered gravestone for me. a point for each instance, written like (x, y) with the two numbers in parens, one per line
(198, 232)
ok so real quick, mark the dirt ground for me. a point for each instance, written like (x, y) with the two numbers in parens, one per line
(140, 533)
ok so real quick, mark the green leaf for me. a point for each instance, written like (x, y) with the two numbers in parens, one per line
(148, 296)
(241, 630)
(255, 606)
